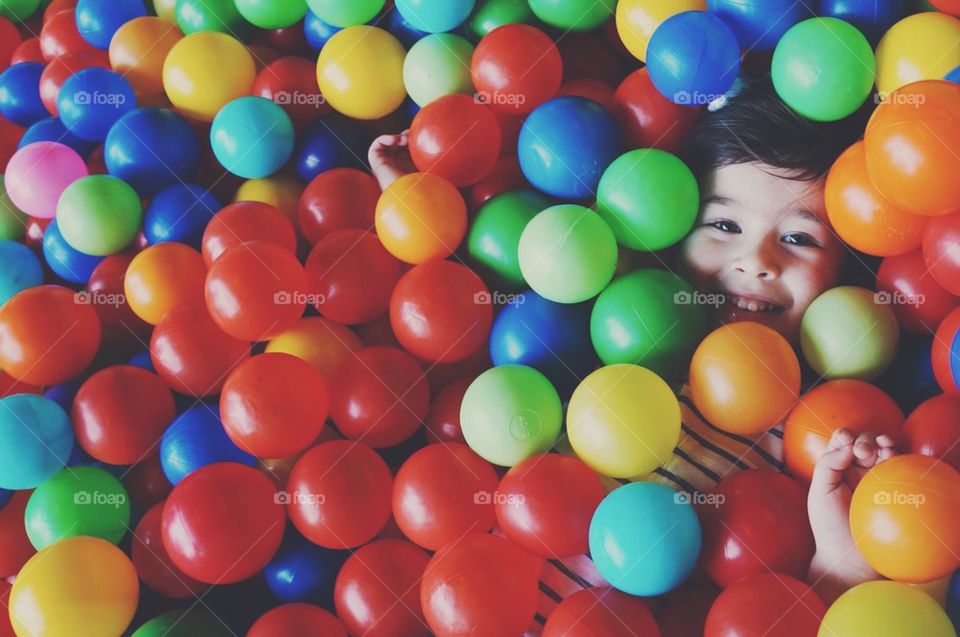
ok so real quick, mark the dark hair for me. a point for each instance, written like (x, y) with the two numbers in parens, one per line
(756, 125)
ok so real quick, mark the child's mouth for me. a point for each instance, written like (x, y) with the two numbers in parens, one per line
(751, 304)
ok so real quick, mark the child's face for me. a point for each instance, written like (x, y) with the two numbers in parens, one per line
(759, 242)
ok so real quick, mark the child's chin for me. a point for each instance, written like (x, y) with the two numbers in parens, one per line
(778, 321)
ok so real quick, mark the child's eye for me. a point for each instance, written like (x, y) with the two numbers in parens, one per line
(725, 225)
(800, 239)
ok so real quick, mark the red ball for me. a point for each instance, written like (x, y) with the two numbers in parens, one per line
(255, 291)
(942, 358)
(9, 41)
(60, 36)
(941, 235)
(480, 584)
(47, 335)
(222, 523)
(755, 522)
(506, 176)
(10, 135)
(379, 396)
(377, 593)
(336, 199)
(291, 82)
(105, 286)
(443, 419)
(246, 221)
(15, 546)
(510, 125)
(647, 118)
(766, 605)
(591, 89)
(146, 483)
(919, 302)
(339, 494)
(152, 562)
(441, 492)
(6, 629)
(685, 612)
(516, 68)
(351, 276)
(437, 311)
(28, 51)
(545, 503)
(10, 386)
(933, 429)
(62, 67)
(456, 138)
(274, 405)
(295, 620)
(120, 413)
(601, 611)
(57, 6)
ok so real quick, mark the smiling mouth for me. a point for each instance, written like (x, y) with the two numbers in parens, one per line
(751, 304)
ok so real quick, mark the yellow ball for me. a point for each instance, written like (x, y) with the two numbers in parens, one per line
(322, 343)
(924, 46)
(279, 191)
(204, 71)
(166, 9)
(623, 420)
(638, 19)
(885, 609)
(360, 72)
(78, 587)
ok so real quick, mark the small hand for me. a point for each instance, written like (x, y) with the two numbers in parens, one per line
(389, 158)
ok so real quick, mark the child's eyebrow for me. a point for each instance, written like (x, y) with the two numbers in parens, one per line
(718, 199)
(806, 214)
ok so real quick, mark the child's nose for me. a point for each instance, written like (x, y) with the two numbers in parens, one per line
(757, 262)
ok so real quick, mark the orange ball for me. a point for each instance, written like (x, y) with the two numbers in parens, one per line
(911, 144)
(863, 217)
(905, 518)
(744, 377)
(138, 49)
(854, 404)
(421, 217)
(163, 277)
(321, 342)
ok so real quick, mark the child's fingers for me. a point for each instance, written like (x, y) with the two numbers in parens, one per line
(865, 450)
(885, 453)
(828, 472)
(840, 437)
(886, 441)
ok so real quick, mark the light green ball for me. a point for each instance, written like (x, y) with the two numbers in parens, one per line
(13, 221)
(496, 230)
(438, 65)
(99, 215)
(575, 15)
(346, 13)
(18, 10)
(495, 13)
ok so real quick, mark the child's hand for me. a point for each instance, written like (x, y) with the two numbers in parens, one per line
(838, 564)
(389, 158)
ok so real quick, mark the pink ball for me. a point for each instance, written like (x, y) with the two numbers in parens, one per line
(38, 173)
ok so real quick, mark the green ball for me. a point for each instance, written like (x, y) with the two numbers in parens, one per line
(510, 413)
(849, 332)
(194, 16)
(648, 318)
(178, 623)
(346, 13)
(494, 237)
(18, 10)
(824, 69)
(13, 221)
(496, 13)
(438, 65)
(99, 215)
(272, 14)
(568, 254)
(77, 501)
(650, 199)
(575, 15)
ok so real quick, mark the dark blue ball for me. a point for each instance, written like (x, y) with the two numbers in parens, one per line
(179, 213)
(330, 142)
(759, 24)
(20, 94)
(142, 359)
(98, 20)
(302, 571)
(317, 31)
(150, 149)
(92, 100)
(5, 496)
(195, 439)
(872, 17)
(63, 393)
(52, 129)
(67, 262)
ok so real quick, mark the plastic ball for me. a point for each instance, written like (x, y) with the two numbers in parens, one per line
(345, 13)
(568, 254)
(153, 563)
(903, 518)
(495, 231)
(862, 346)
(138, 50)
(944, 357)
(151, 149)
(245, 221)
(205, 71)
(59, 71)
(20, 269)
(336, 199)
(576, 15)
(20, 94)
(82, 586)
(99, 214)
(98, 20)
(193, 16)
(872, 18)
(13, 537)
(60, 35)
(516, 68)
(301, 571)
(360, 72)
(338, 494)
(252, 137)
(162, 278)
(503, 577)
(179, 213)
(92, 100)
(693, 58)
(939, 235)
(438, 65)
(886, 609)
(36, 442)
(291, 620)
(255, 291)
(647, 118)
(179, 623)
(649, 198)
(46, 337)
(316, 31)
(456, 138)
(12, 219)
(279, 191)
(272, 14)
(630, 520)
(918, 47)
(918, 301)
(37, 175)
(195, 439)
(291, 83)
(435, 16)
(509, 413)
(776, 605)
(758, 25)
(442, 423)
(18, 10)
(601, 611)
(78, 501)
(421, 217)
(932, 429)
(328, 143)
(322, 343)
(637, 20)
(53, 130)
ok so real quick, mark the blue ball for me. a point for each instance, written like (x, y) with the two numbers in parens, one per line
(52, 129)
(303, 572)
(566, 144)
(63, 393)
(35, 440)
(252, 137)
(693, 58)
(98, 20)
(644, 539)
(179, 213)
(317, 31)
(19, 269)
(954, 75)
(953, 600)
(403, 30)
(142, 359)
(435, 16)
(195, 439)
(553, 338)
(92, 100)
(20, 94)
(150, 149)
(759, 24)
(5, 496)
(67, 262)
(910, 380)
(327, 143)
(872, 17)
